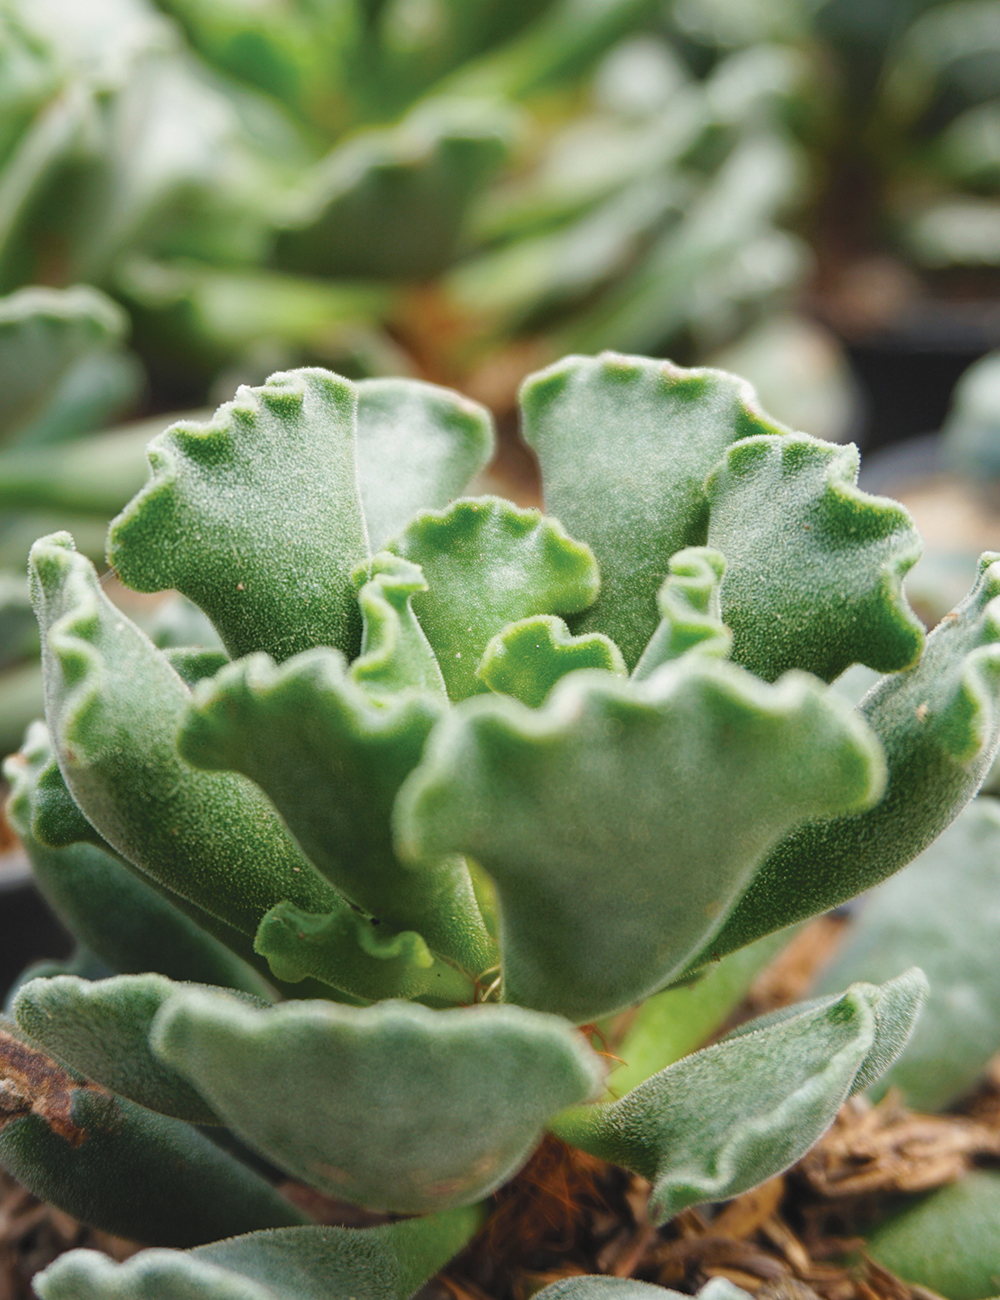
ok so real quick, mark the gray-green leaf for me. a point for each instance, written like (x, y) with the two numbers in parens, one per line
(101, 1029)
(313, 1263)
(113, 705)
(487, 564)
(332, 762)
(625, 444)
(270, 568)
(418, 447)
(814, 566)
(943, 910)
(383, 1106)
(620, 822)
(734, 1114)
(939, 723)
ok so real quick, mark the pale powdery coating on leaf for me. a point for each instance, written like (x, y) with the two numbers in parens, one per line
(620, 823)
(315, 1263)
(383, 1105)
(722, 1120)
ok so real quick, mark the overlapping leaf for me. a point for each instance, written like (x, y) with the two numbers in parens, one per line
(114, 704)
(272, 570)
(332, 761)
(488, 564)
(314, 1263)
(119, 1167)
(383, 1106)
(690, 611)
(620, 823)
(109, 907)
(395, 654)
(418, 447)
(633, 493)
(734, 1114)
(940, 726)
(527, 658)
(943, 910)
(101, 1029)
(814, 566)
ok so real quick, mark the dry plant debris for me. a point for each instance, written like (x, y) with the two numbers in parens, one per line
(32, 1234)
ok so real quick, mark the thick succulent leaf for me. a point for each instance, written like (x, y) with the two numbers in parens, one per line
(315, 1263)
(601, 1287)
(193, 664)
(114, 704)
(527, 658)
(121, 1168)
(939, 724)
(256, 516)
(690, 611)
(734, 1114)
(395, 653)
(943, 910)
(487, 564)
(679, 1020)
(625, 444)
(620, 822)
(100, 1028)
(948, 1241)
(418, 447)
(123, 920)
(814, 567)
(359, 955)
(331, 762)
(382, 1106)
(43, 332)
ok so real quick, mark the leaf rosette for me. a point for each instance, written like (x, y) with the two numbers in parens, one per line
(466, 778)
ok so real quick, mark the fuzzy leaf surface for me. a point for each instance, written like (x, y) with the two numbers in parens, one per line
(488, 563)
(358, 955)
(124, 921)
(620, 822)
(625, 444)
(601, 1287)
(527, 658)
(814, 566)
(114, 704)
(395, 653)
(939, 724)
(120, 1167)
(381, 1106)
(390, 1262)
(270, 567)
(418, 447)
(739, 1112)
(101, 1029)
(332, 762)
(943, 910)
(690, 611)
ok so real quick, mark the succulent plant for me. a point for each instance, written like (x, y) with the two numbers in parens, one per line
(367, 875)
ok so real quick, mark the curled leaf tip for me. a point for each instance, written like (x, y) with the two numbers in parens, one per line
(814, 565)
(529, 657)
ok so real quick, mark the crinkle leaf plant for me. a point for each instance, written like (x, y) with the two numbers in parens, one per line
(456, 783)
